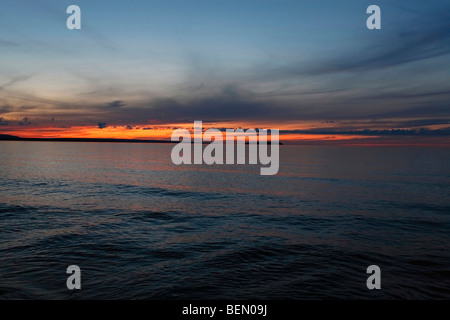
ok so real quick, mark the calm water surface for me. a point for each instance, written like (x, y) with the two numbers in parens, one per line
(140, 227)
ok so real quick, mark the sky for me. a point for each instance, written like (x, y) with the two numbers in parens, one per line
(139, 69)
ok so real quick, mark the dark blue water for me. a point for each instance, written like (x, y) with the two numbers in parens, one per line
(140, 227)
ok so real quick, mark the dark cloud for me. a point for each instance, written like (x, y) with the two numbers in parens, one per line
(3, 122)
(25, 122)
(229, 103)
(115, 104)
(419, 123)
(369, 132)
(409, 95)
(26, 108)
(5, 109)
(440, 109)
(352, 125)
(102, 125)
(233, 103)
(128, 127)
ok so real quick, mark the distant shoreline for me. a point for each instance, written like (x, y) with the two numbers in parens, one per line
(7, 137)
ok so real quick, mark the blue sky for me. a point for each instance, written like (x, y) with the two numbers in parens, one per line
(283, 61)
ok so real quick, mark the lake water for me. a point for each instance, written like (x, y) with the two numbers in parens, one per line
(140, 227)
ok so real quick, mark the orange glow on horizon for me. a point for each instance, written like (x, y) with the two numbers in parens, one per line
(150, 133)
(164, 132)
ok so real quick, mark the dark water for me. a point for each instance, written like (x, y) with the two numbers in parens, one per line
(140, 227)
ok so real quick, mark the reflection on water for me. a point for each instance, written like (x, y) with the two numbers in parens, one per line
(141, 227)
